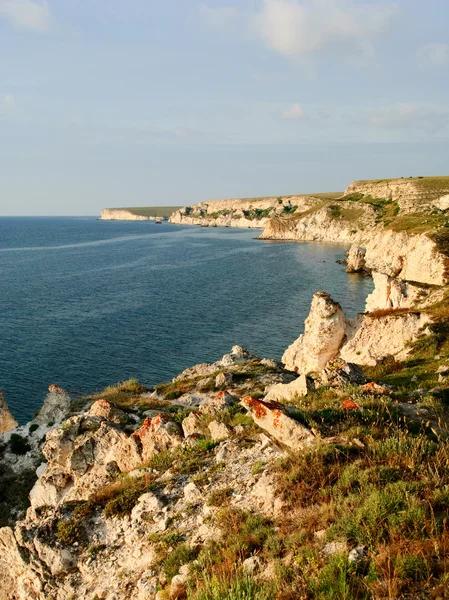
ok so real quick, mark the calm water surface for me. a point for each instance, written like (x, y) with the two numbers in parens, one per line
(85, 303)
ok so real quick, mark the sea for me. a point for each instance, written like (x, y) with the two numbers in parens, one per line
(86, 303)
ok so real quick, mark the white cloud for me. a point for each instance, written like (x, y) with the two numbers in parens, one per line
(319, 27)
(433, 55)
(27, 14)
(9, 100)
(218, 17)
(430, 119)
(293, 113)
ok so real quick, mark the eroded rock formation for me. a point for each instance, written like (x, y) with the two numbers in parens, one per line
(324, 330)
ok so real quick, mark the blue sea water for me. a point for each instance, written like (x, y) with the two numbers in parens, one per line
(86, 303)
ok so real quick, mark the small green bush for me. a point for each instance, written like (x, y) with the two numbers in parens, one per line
(236, 587)
(70, 531)
(219, 497)
(18, 445)
(181, 555)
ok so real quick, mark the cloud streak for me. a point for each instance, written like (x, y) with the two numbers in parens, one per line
(27, 14)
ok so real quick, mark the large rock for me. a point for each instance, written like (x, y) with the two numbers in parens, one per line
(191, 425)
(356, 260)
(289, 391)
(7, 421)
(217, 403)
(323, 334)
(219, 431)
(273, 418)
(157, 435)
(79, 455)
(147, 506)
(106, 410)
(237, 355)
(339, 373)
(56, 407)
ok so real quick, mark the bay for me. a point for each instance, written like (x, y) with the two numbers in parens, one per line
(86, 303)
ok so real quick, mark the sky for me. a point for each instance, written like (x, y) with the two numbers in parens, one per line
(115, 103)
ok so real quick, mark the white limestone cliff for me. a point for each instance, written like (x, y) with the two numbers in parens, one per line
(118, 214)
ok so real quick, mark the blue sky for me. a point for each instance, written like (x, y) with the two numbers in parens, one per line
(151, 102)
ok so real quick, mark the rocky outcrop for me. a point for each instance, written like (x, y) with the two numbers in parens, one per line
(324, 330)
(364, 340)
(356, 262)
(87, 449)
(7, 421)
(56, 407)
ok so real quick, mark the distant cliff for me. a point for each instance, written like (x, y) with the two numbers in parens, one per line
(115, 214)
(141, 213)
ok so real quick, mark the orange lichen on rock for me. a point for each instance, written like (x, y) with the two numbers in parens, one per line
(149, 424)
(260, 407)
(55, 388)
(349, 404)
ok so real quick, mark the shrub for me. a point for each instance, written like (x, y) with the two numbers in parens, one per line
(181, 555)
(18, 445)
(70, 531)
(219, 497)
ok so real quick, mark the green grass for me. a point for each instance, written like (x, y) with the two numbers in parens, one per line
(233, 586)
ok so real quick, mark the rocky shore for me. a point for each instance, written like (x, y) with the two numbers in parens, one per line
(133, 493)
(325, 475)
